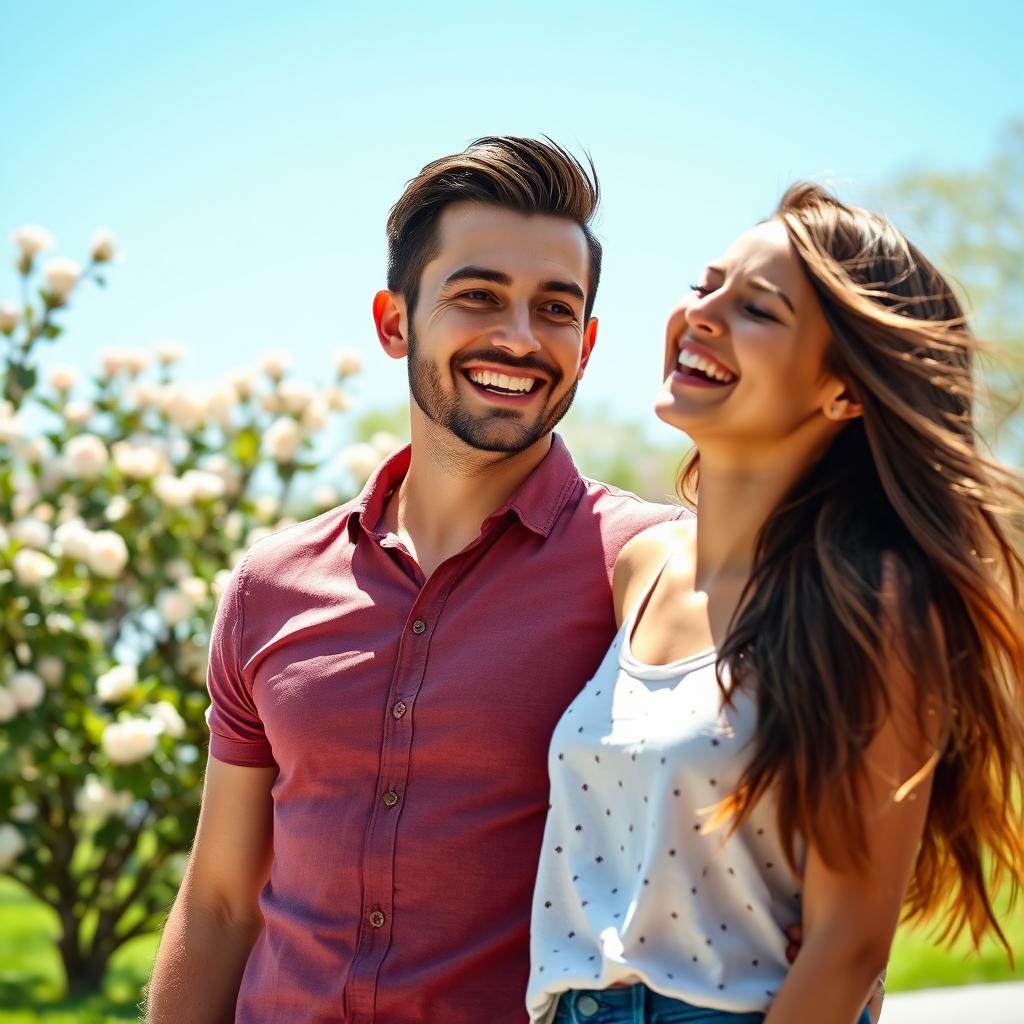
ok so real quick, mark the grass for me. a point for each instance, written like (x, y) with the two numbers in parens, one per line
(31, 973)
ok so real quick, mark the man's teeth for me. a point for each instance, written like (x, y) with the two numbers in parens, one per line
(708, 368)
(485, 378)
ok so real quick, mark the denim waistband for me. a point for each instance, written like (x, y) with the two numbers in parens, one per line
(637, 1004)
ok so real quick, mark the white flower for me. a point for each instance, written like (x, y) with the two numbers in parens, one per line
(32, 567)
(61, 276)
(115, 684)
(234, 523)
(348, 362)
(257, 533)
(97, 799)
(112, 361)
(360, 459)
(36, 450)
(117, 508)
(275, 363)
(135, 360)
(337, 399)
(174, 606)
(43, 512)
(314, 416)
(11, 426)
(283, 438)
(296, 394)
(241, 379)
(223, 467)
(31, 532)
(12, 845)
(219, 404)
(138, 462)
(195, 589)
(325, 496)
(8, 705)
(130, 739)
(74, 539)
(169, 352)
(184, 404)
(85, 456)
(143, 394)
(172, 491)
(266, 507)
(25, 811)
(77, 412)
(203, 485)
(167, 715)
(32, 240)
(108, 554)
(386, 443)
(10, 315)
(177, 569)
(27, 689)
(104, 247)
(220, 581)
(51, 669)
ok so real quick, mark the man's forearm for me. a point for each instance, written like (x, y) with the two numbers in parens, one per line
(199, 966)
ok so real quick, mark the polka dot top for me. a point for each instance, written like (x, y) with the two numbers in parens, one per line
(630, 886)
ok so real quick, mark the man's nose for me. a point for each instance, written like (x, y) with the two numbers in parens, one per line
(516, 335)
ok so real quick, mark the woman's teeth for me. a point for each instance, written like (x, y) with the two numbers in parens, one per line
(487, 379)
(692, 361)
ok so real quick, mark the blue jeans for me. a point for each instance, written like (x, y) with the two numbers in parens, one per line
(637, 1004)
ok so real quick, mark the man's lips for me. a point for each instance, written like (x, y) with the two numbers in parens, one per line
(497, 380)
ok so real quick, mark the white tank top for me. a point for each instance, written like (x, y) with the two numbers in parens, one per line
(629, 887)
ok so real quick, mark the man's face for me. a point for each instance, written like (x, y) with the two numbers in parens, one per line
(497, 341)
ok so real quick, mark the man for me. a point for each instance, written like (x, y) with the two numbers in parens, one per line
(385, 677)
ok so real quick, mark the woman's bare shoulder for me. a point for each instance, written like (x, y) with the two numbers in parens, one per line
(642, 557)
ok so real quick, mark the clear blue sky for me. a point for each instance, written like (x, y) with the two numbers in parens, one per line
(246, 154)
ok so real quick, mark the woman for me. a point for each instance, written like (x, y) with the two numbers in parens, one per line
(813, 708)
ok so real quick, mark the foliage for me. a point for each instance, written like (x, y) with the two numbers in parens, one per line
(122, 511)
(973, 223)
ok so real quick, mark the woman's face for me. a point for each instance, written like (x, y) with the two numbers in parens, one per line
(744, 353)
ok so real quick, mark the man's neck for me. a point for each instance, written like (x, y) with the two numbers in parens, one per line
(450, 489)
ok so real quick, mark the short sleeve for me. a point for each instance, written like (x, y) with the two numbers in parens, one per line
(237, 735)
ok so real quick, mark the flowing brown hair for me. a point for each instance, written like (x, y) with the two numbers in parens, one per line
(905, 485)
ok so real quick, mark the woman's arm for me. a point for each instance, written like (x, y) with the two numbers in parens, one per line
(850, 917)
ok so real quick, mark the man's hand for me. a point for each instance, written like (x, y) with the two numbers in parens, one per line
(795, 936)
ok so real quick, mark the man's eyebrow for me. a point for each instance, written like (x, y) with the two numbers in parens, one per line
(766, 286)
(472, 273)
(565, 287)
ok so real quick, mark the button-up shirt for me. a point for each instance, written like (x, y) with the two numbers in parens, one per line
(409, 720)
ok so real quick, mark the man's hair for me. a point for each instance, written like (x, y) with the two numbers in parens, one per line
(526, 175)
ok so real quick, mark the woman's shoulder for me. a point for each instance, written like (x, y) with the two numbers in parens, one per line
(644, 555)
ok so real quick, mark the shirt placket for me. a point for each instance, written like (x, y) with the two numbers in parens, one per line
(393, 777)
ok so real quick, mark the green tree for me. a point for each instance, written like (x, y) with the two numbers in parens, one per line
(972, 223)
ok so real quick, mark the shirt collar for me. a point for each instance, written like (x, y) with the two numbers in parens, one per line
(536, 502)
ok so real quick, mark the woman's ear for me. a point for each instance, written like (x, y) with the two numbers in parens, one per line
(388, 318)
(841, 405)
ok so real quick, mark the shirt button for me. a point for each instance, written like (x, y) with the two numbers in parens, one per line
(377, 919)
(587, 1006)
(419, 627)
(391, 798)
(399, 709)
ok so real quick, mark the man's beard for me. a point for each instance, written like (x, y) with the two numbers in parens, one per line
(500, 430)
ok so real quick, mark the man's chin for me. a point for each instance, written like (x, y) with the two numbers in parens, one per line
(497, 436)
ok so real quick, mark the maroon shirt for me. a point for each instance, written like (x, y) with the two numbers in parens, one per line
(410, 722)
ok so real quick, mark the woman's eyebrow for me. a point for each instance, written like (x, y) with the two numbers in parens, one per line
(766, 286)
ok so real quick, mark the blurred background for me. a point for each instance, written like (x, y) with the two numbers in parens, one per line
(206, 368)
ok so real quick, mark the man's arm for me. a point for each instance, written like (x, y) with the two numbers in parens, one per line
(216, 919)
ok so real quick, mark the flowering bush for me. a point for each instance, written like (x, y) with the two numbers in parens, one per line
(123, 505)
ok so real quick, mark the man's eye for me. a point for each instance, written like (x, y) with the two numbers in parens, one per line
(559, 309)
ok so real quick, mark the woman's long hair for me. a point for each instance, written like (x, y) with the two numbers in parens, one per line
(907, 483)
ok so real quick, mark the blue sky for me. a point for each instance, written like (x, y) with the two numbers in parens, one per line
(246, 155)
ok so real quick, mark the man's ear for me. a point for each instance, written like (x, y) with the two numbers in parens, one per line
(840, 405)
(589, 341)
(389, 319)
